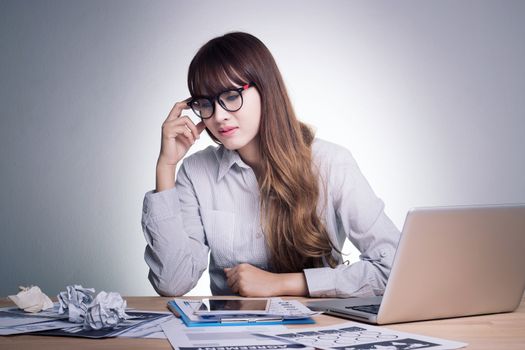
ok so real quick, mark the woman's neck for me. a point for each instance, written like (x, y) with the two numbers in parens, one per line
(251, 155)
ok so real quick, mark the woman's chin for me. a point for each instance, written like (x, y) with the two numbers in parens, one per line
(230, 145)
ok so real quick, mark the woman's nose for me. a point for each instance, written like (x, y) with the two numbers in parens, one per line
(220, 113)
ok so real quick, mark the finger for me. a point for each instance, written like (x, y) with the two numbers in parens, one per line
(173, 129)
(231, 281)
(177, 109)
(188, 134)
(231, 272)
(232, 275)
(235, 287)
(185, 142)
(191, 126)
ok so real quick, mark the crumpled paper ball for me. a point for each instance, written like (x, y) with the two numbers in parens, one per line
(107, 310)
(75, 300)
(31, 299)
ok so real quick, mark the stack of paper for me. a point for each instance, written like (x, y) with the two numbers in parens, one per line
(50, 322)
(16, 321)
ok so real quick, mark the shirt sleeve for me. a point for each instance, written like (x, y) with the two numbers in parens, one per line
(360, 214)
(176, 251)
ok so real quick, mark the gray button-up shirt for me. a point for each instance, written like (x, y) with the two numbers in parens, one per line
(214, 208)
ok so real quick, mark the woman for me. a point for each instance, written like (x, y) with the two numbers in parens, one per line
(272, 204)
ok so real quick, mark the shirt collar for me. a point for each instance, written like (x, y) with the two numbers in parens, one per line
(227, 159)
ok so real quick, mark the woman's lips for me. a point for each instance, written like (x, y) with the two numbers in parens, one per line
(228, 131)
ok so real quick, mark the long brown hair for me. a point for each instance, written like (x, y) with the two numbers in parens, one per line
(289, 186)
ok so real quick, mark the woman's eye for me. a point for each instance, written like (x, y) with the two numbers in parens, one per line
(232, 97)
(203, 104)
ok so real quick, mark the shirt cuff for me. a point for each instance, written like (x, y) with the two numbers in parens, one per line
(321, 282)
(160, 205)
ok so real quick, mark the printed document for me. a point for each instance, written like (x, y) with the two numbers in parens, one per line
(359, 336)
(220, 338)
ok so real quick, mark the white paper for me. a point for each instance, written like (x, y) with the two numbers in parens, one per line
(16, 321)
(49, 313)
(359, 336)
(135, 320)
(31, 299)
(290, 309)
(75, 300)
(107, 310)
(11, 323)
(217, 338)
(10, 320)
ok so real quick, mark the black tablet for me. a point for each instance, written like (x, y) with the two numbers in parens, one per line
(221, 306)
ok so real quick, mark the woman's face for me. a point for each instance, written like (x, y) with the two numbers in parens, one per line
(237, 130)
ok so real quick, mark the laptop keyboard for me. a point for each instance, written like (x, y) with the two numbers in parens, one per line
(371, 309)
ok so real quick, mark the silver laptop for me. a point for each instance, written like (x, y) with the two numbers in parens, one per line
(450, 262)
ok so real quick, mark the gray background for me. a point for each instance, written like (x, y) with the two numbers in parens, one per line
(428, 95)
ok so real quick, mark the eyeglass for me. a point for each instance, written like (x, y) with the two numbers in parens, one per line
(229, 100)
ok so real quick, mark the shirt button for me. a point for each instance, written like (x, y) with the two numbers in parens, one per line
(383, 253)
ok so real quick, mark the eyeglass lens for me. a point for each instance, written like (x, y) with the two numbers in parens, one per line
(229, 100)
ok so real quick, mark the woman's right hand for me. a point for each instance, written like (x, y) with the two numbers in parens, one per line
(179, 133)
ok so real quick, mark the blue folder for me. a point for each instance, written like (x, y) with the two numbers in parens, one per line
(172, 305)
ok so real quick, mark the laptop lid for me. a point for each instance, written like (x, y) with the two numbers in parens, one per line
(451, 262)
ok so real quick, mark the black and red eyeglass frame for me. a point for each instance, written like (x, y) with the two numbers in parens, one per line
(194, 102)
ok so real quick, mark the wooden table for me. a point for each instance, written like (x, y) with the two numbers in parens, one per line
(499, 331)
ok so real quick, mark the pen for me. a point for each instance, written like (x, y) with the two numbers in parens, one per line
(251, 320)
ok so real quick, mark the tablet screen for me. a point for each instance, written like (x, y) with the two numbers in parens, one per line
(243, 305)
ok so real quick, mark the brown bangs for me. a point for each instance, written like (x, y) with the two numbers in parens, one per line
(212, 69)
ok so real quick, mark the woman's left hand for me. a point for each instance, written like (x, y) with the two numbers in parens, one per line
(250, 281)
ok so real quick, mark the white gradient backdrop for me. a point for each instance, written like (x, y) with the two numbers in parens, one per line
(428, 95)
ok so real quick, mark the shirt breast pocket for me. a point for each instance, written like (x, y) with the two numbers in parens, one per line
(219, 228)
